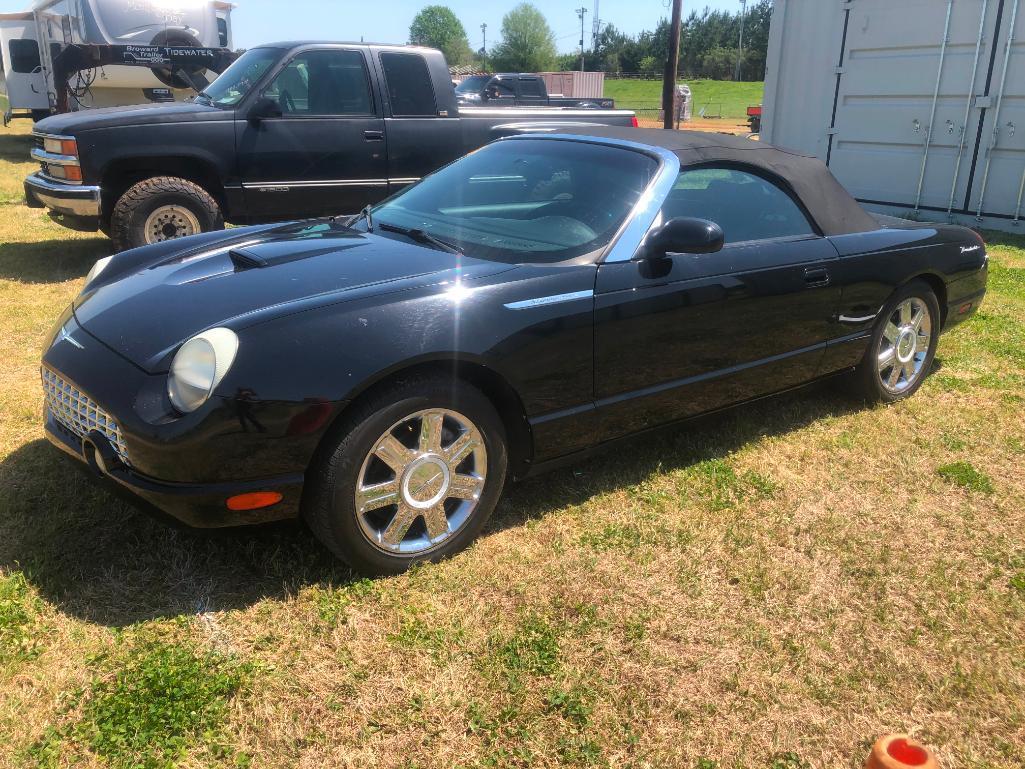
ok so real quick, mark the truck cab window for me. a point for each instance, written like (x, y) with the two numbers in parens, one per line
(409, 85)
(531, 86)
(501, 88)
(222, 32)
(324, 82)
(24, 56)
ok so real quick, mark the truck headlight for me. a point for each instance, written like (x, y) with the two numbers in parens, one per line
(199, 366)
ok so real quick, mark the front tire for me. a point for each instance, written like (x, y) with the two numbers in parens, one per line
(413, 475)
(162, 208)
(902, 347)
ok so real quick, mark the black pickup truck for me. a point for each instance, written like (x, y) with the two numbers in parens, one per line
(521, 90)
(289, 130)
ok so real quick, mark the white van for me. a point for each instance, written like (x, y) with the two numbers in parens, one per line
(31, 40)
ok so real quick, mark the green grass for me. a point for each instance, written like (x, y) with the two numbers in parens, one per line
(148, 704)
(965, 474)
(718, 97)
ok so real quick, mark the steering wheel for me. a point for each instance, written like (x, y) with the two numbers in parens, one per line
(287, 101)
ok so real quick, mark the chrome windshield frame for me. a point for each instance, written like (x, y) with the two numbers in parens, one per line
(627, 241)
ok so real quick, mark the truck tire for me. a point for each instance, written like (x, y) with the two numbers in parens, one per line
(162, 208)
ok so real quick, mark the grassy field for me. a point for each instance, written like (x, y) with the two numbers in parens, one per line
(771, 588)
(717, 97)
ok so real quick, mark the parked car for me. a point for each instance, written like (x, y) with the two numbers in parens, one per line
(289, 130)
(520, 89)
(542, 297)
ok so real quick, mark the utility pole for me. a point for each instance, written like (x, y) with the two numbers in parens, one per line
(484, 48)
(595, 28)
(740, 50)
(580, 12)
(672, 63)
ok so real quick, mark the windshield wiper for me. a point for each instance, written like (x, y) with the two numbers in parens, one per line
(364, 214)
(421, 236)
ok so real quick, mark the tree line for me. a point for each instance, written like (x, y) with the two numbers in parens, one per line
(708, 44)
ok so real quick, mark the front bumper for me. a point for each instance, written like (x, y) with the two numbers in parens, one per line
(78, 200)
(200, 505)
(107, 414)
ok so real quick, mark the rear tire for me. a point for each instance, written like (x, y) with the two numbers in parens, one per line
(902, 347)
(388, 491)
(162, 208)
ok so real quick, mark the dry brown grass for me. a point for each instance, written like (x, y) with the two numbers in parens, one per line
(791, 578)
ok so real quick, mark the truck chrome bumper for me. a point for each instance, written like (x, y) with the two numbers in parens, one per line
(71, 199)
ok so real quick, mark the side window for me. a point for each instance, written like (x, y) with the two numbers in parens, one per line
(409, 85)
(531, 86)
(745, 205)
(222, 32)
(323, 83)
(504, 89)
(24, 56)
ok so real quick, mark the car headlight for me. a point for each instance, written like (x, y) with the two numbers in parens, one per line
(100, 266)
(199, 366)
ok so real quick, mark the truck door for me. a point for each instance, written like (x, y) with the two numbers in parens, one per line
(23, 70)
(325, 153)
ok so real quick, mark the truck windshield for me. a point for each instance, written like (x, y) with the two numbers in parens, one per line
(523, 200)
(472, 84)
(238, 79)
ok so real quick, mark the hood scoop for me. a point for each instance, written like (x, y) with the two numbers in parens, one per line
(259, 256)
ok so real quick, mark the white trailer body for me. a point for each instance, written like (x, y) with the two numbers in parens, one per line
(38, 34)
(918, 107)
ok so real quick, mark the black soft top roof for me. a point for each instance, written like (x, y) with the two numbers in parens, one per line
(830, 205)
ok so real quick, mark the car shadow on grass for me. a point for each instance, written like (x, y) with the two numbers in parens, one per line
(100, 559)
(15, 148)
(50, 261)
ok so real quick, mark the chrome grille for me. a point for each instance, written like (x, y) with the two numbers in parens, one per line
(79, 413)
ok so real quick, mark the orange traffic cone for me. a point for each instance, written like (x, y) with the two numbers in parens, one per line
(898, 751)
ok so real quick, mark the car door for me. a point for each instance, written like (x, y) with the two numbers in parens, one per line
(686, 334)
(326, 152)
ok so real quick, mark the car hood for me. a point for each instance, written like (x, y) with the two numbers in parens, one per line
(150, 300)
(69, 124)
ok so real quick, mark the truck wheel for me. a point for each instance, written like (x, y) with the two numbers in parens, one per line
(162, 208)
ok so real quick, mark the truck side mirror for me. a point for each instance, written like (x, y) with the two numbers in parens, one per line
(264, 107)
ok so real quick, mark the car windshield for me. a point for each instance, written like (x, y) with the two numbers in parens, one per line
(472, 84)
(541, 200)
(238, 79)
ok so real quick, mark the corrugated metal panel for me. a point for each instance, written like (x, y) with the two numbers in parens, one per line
(878, 90)
(582, 85)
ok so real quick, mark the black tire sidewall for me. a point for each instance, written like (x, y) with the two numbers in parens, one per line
(868, 377)
(128, 220)
(331, 511)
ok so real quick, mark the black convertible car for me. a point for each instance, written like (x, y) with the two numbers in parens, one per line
(382, 376)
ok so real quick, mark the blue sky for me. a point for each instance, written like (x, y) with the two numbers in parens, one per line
(387, 21)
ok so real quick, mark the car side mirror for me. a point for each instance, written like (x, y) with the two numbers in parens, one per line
(684, 235)
(264, 107)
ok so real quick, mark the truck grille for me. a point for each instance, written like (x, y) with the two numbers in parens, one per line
(80, 414)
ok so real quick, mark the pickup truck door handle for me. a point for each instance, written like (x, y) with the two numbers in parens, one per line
(816, 276)
(374, 136)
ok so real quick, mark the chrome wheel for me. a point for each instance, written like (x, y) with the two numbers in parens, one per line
(904, 345)
(421, 482)
(169, 222)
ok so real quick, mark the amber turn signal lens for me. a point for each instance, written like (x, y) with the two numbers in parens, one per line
(69, 147)
(254, 500)
(73, 173)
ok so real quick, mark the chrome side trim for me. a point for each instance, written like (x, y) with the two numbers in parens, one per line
(404, 180)
(863, 319)
(53, 159)
(542, 301)
(317, 183)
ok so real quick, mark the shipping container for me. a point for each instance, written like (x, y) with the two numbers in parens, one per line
(918, 107)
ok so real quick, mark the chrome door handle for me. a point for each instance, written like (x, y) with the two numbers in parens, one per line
(816, 276)
(373, 136)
